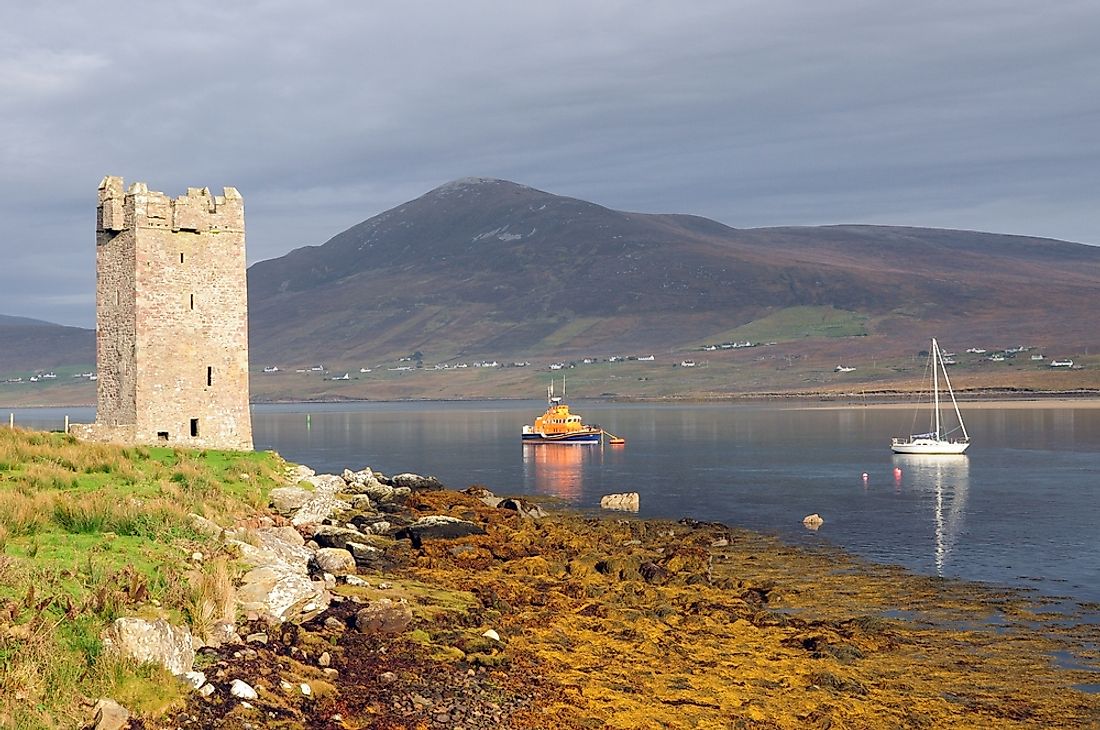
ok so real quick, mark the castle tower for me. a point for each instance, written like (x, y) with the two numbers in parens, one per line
(171, 318)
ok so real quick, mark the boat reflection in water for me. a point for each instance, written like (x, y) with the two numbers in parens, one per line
(557, 471)
(946, 480)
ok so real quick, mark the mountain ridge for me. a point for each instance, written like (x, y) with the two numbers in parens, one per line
(510, 265)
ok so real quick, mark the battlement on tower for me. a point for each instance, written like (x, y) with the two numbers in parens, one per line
(198, 211)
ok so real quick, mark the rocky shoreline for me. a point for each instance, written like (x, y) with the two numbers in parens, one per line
(392, 602)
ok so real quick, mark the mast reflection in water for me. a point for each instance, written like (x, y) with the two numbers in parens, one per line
(944, 480)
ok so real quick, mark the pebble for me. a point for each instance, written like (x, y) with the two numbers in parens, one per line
(334, 624)
(285, 685)
(387, 677)
(354, 580)
(330, 672)
(306, 689)
(324, 660)
(197, 557)
(207, 690)
(491, 634)
(257, 638)
(195, 679)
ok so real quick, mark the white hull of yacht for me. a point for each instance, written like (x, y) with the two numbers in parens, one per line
(928, 446)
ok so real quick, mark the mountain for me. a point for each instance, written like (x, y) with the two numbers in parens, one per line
(32, 344)
(490, 268)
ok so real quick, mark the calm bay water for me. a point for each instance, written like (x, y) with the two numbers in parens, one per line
(1021, 509)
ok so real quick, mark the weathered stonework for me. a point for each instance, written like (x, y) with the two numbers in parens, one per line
(171, 319)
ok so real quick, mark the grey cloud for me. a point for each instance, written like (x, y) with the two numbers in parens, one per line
(977, 115)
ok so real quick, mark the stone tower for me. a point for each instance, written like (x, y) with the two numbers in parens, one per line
(171, 318)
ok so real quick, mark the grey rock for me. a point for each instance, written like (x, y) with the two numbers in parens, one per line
(195, 679)
(242, 690)
(206, 690)
(332, 536)
(487, 497)
(361, 502)
(523, 508)
(623, 501)
(336, 561)
(152, 641)
(109, 715)
(286, 500)
(323, 501)
(383, 616)
(258, 638)
(438, 527)
(223, 633)
(205, 526)
(417, 483)
(282, 592)
(365, 556)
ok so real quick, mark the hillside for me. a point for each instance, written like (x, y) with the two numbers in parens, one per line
(493, 269)
(482, 269)
(32, 344)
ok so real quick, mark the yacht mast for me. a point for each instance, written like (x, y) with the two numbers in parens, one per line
(955, 403)
(936, 385)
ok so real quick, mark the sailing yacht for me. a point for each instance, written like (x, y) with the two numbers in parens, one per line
(938, 440)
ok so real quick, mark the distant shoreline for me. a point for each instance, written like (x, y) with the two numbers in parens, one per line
(799, 400)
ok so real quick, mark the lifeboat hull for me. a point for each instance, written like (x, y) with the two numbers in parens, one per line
(579, 438)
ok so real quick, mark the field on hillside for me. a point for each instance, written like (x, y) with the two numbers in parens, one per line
(89, 532)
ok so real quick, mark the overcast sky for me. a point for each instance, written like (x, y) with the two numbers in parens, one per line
(977, 114)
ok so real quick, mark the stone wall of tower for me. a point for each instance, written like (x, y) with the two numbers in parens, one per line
(172, 318)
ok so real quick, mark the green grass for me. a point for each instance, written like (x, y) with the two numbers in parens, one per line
(89, 532)
(794, 323)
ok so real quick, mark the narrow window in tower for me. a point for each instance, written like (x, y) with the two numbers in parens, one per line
(209, 375)
(162, 435)
(181, 257)
(192, 301)
(194, 428)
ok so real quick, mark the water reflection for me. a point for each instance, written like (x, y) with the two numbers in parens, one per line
(558, 470)
(946, 479)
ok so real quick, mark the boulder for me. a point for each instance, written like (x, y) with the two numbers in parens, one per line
(336, 561)
(205, 526)
(283, 593)
(363, 476)
(371, 524)
(271, 546)
(109, 715)
(331, 536)
(365, 556)
(624, 501)
(323, 500)
(195, 679)
(417, 483)
(152, 641)
(361, 503)
(438, 527)
(812, 522)
(242, 690)
(523, 508)
(287, 500)
(296, 473)
(383, 616)
(479, 492)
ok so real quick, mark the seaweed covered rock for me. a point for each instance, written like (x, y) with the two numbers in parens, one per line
(438, 527)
